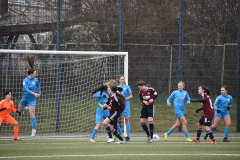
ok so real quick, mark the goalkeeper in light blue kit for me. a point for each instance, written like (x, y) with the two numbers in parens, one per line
(102, 95)
(222, 104)
(179, 96)
(30, 87)
(127, 93)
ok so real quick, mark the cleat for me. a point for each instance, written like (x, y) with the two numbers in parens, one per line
(114, 137)
(149, 140)
(225, 139)
(196, 140)
(33, 133)
(205, 137)
(120, 142)
(17, 139)
(189, 139)
(127, 138)
(110, 140)
(212, 142)
(166, 136)
(92, 140)
(123, 136)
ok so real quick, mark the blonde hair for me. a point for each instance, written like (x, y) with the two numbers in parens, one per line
(182, 83)
(111, 82)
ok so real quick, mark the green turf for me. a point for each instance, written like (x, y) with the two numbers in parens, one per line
(81, 148)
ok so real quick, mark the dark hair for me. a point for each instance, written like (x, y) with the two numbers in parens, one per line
(206, 90)
(102, 88)
(224, 87)
(6, 93)
(114, 89)
(31, 71)
(141, 83)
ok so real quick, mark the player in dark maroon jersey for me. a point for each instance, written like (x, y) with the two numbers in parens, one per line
(147, 96)
(115, 105)
(208, 115)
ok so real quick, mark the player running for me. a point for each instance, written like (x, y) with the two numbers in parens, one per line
(6, 107)
(222, 105)
(179, 96)
(208, 115)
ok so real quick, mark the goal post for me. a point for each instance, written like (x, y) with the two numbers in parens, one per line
(67, 79)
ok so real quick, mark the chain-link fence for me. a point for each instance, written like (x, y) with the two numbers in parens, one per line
(150, 33)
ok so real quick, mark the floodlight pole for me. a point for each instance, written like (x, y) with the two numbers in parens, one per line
(58, 67)
(238, 72)
(180, 54)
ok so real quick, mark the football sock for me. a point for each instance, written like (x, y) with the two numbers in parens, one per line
(94, 132)
(169, 131)
(108, 131)
(144, 126)
(15, 131)
(119, 129)
(211, 128)
(226, 132)
(199, 132)
(117, 135)
(151, 128)
(34, 122)
(186, 134)
(211, 135)
(128, 129)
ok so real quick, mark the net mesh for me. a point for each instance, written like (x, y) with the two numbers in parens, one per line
(66, 104)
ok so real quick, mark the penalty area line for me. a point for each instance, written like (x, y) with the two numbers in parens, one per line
(108, 155)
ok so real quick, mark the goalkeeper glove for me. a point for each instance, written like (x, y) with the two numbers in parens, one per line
(18, 112)
(228, 108)
(218, 111)
(101, 106)
(2, 109)
(199, 110)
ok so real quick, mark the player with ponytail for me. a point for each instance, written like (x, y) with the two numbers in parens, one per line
(31, 91)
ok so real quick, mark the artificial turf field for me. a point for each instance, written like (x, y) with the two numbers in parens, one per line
(72, 148)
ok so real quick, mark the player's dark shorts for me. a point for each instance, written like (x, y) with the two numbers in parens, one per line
(114, 117)
(205, 121)
(147, 111)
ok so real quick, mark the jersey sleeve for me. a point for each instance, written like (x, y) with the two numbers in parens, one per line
(25, 87)
(171, 97)
(187, 98)
(216, 103)
(96, 95)
(38, 87)
(155, 94)
(12, 107)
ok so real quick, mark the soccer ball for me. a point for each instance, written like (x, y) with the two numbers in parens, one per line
(156, 138)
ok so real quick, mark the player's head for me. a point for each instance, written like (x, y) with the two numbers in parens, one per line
(122, 80)
(224, 90)
(7, 95)
(114, 90)
(141, 84)
(32, 73)
(111, 82)
(203, 89)
(181, 85)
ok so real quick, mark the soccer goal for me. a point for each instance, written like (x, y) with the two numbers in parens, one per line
(67, 79)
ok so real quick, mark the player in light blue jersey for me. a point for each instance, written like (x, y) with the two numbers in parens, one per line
(127, 93)
(102, 95)
(31, 91)
(180, 97)
(222, 105)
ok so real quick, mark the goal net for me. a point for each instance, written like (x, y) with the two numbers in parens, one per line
(67, 79)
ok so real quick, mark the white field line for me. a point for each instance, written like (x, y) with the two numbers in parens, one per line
(109, 155)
